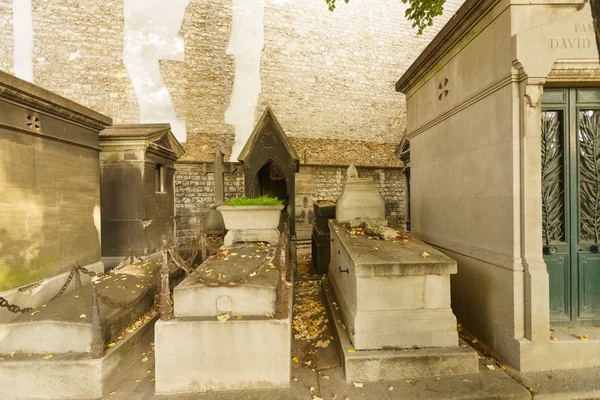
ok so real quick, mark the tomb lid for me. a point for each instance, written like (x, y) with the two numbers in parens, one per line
(370, 258)
(155, 138)
(263, 132)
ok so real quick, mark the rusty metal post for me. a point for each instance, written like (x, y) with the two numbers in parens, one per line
(281, 307)
(97, 345)
(131, 252)
(165, 306)
(203, 242)
(77, 278)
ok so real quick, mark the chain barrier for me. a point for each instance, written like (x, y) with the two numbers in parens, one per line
(76, 271)
(114, 303)
(194, 273)
(131, 255)
(13, 308)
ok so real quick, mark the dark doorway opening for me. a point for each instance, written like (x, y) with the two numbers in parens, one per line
(271, 181)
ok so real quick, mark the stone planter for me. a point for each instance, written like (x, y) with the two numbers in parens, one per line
(251, 223)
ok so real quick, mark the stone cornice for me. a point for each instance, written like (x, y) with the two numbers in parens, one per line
(461, 23)
(151, 138)
(28, 95)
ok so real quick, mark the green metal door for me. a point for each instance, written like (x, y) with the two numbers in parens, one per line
(571, 203)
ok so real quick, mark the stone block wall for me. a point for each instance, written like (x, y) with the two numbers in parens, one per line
(326, 75)
(194, 191)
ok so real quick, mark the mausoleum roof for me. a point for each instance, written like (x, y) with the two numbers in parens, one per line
(461, 23)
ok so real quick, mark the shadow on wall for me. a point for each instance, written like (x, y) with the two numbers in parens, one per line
(47, 201)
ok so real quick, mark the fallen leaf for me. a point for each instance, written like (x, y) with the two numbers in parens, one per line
(411, 381)
(425, 254)
(76, 296)
(295, 359)
(82, 316)
(224, 317)
(351, 350)
(111, 344)
(308, 362)
(137, 381)
(112, 393)
(317, 398)
(48, 356)
(35, 312)
(582, 337)
(144, 359)
(325, 377)
(358, 384)
(239, 317)
(490, 367)
(503, 368)
(391, 388)
(474, 341)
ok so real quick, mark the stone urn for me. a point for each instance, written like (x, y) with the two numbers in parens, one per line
(251, 223)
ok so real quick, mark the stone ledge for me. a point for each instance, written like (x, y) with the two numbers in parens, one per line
(378, 365)
(71, 375)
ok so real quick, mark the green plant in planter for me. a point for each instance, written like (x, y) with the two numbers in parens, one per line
(254, 201)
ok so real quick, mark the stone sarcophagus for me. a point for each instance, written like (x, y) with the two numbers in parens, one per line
(392, 294)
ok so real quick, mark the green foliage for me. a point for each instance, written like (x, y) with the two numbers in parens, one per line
(254, 201)
(420, 12)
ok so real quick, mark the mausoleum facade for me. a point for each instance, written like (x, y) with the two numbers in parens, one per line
(502, 117)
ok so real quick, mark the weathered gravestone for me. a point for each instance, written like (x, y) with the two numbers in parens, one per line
(360, 199)
(305, 187)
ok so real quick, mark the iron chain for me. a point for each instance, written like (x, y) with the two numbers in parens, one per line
(13, 308)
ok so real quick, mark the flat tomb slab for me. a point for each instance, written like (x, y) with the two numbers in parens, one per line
(249, 264)
(371, 257)
(200, 354)
(393, 364)
(389, 293)
(65, 324)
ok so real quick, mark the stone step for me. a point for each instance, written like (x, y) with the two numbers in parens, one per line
(393, 364)
(65, 324)
(195, 298)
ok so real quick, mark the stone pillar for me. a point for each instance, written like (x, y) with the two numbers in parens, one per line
(536, 280)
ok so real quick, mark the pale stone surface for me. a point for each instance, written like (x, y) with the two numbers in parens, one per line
(389, 364)
(71, 375)
(392, 294)
(251, 223)
(255, 297)
(201, 354)
(360, 199)
(65, 324)
(476, 170)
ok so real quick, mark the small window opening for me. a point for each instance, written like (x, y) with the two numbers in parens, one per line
(159, 175)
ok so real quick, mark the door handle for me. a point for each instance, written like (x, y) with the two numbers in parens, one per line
(551, 250)
(347, 270)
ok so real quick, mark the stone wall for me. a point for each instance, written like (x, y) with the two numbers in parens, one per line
(194, 190)
(326, 75)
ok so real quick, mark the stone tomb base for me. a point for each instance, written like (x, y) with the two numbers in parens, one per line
(71, 375)
(202, 354)
(393, 364)
(195, 352)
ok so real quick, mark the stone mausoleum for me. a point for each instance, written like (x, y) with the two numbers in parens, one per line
(502, 122)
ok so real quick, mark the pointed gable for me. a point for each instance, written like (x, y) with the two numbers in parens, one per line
(268, 136)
